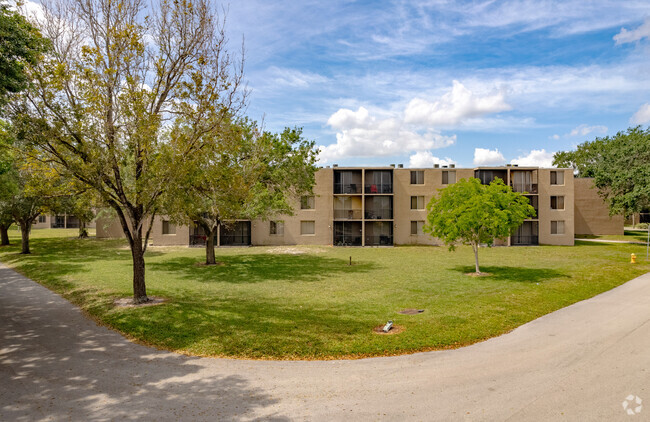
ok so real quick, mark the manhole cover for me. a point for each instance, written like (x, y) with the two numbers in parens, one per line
(410, 311)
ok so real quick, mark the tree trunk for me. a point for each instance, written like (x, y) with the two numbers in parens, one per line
(209, 248)
(4, 235)
(475, 248)
(25, 228)
(83, 232)
(139, 287)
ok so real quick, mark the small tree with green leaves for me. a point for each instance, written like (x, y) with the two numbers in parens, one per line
(244, 173)
(471, 213)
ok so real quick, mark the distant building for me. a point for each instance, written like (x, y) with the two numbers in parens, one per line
(384, 206)
(59, 221)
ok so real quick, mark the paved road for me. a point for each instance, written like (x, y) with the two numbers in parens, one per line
(576, 364)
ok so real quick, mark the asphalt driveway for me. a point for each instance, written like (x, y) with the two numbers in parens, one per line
(579, 363)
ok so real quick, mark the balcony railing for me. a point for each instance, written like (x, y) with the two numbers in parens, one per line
(524, 240)
(379, 214)
(379, 188)
(197, 239)
(347, 240)
(347, 214)
(234, 240)
(347, 188)
(381, 240)
(524, 187)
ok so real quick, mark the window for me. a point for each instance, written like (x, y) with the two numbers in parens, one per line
(168, 228)
(416, 227)
(417, 202)
(276, 228)
(417, 177)
(307, 227)
(448, 177)
(557, 178)
(41, 218)
(307, 202)
(557, 202)
(557, 227)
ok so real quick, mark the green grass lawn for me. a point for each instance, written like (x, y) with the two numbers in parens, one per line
(265, 304)
(629, 235)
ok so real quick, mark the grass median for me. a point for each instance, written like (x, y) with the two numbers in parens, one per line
(309, 303)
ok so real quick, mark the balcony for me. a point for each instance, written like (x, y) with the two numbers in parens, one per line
(347, 188)
(347, 234)
(379, 214)
(347, 214)
(534, 201)
(379, 188)
(381, 240)
(524, 187)
(524, 240)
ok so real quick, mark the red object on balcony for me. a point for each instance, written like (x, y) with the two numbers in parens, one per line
(373, 188)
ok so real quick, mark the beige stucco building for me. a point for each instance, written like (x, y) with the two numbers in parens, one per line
(384, 206)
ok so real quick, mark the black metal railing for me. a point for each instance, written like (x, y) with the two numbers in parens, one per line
(379, 188)
(198, 239)
(350, 188)
(381, 240)
(524, 240)
(234, 240)
(382, 214)
(347, 240)
(524, 187)
(347, 214)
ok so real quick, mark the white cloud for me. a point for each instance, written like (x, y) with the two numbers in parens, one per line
(583, 130)
(488, 157)
(642, 116)
(637, 34)
(426, 159)
(360, 134)
(454, 107)
(555, 137)
(535, 158)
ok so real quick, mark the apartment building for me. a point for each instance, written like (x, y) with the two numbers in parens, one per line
(385, 206)
(58, 221)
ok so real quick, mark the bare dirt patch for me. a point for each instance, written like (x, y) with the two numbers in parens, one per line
(203, 264)
(292, 250)
(478, 274)
(127, 302)
(410, 311)
(395, 330)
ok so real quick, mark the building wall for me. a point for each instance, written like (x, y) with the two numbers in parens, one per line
(49, 220)
(402, 203)
(323, 212)
(592, 213)
(546, 214)
(322, 215)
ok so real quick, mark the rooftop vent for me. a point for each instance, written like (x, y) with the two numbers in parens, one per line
(508, 165)
(392, 165)
(515, 165)
(335, 165)
(444, 167)
(400, 166)
(436, 166)
(452, 166)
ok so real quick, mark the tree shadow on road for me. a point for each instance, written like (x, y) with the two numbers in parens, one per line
(57, 365)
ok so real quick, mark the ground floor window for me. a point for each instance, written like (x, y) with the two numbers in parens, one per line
(557, 227)
(276, 228)
(416, 227)
(168, 227)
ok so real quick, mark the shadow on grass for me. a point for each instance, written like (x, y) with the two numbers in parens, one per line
(255, 268)
(53, 259)
(518, 274)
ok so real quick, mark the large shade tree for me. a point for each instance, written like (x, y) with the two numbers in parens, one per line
(620, 166)
(471, 213)
(118, 77)
(243, 173)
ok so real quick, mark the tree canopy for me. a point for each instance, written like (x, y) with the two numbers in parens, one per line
(20, 46)
(620, 166)
(471, 213)
(126, 97)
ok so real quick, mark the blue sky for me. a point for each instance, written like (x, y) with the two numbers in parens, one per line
(423, 82)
